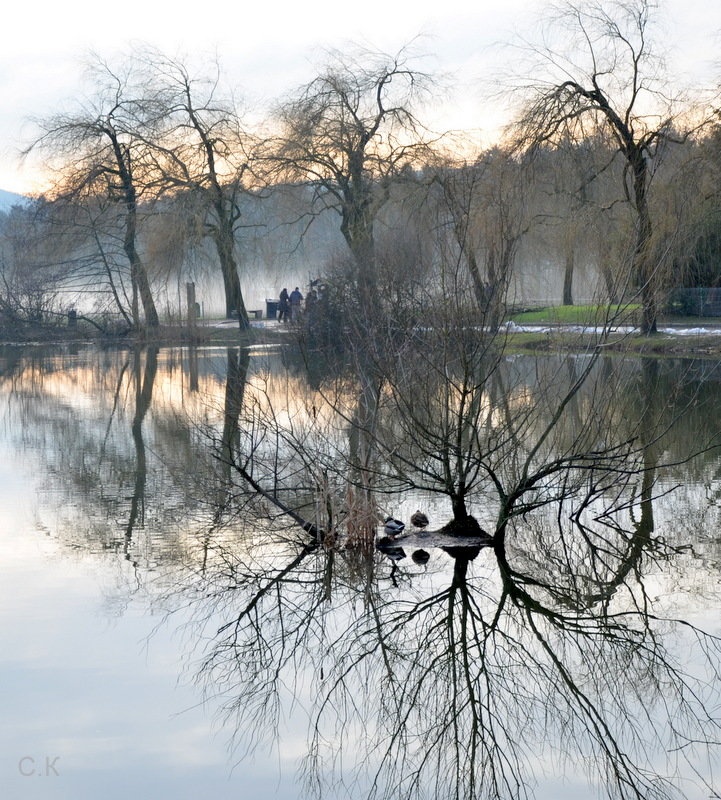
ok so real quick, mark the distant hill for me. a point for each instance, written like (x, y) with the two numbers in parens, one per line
(10, 199)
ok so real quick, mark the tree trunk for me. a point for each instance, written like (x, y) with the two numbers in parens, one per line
(609, 281)
(649, 313)
(357, 229)
(643, 268)
(364, 252)
(458, 506)
(568, 277)
(499, 273)
(224, 242)
(138, 274)
(134, 305)
(140, 278)
(480, 289)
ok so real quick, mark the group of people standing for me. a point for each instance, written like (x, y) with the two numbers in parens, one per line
(289, 307)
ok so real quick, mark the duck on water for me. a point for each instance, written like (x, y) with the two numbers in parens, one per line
(393, 527)
(419, 519)
(468, 526)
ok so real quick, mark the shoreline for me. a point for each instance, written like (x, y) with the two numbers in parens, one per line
(690, 338)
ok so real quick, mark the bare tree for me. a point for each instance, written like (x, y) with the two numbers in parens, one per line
(203, 158)
(609, 79)
(32, 275)
(101, 151)
(350, 133)
(486, 206)
(566, 173)
(459, 191)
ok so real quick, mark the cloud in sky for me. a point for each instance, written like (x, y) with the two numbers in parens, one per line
(268, 48)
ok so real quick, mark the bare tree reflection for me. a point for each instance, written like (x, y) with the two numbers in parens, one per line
(539, 651)
(124, 469)
(143, 398)
(472, 671)
(458, 692)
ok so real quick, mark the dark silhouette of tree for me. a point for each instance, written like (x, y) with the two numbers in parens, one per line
(143, 399)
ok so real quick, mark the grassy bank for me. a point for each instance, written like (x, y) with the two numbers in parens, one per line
(578, 315)
(701, 346)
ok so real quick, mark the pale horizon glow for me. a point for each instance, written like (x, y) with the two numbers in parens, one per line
(268, 49)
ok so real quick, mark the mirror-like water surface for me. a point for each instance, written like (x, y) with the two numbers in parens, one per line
(191, 605)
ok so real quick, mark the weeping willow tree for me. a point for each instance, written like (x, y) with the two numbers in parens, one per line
(607, 78)
(350, 134)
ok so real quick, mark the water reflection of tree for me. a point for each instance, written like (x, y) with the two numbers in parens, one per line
(544, 646)
(454, 692)
(115, 453)
(143, 396)
(443, 683)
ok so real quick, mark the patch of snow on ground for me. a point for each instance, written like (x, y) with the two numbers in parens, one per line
(514, 327)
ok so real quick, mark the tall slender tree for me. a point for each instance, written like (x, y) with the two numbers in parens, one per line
(486, 203)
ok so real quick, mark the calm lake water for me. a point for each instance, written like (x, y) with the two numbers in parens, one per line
(167, 633)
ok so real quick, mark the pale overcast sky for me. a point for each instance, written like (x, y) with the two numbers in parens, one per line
(267, 48)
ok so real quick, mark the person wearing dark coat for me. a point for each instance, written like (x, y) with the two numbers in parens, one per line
(296, 298)
(284, 306)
